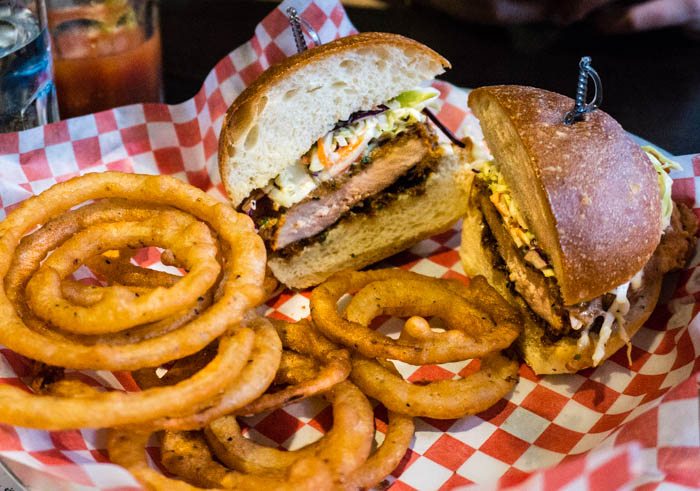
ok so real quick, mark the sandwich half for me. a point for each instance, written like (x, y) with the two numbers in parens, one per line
(333, 156)
(572, 223)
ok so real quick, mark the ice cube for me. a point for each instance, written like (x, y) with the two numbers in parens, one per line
(9, 35)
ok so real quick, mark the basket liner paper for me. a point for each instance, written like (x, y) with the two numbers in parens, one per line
(603, 428)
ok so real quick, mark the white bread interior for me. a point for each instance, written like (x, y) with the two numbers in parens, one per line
(293, 104)
(364, 239)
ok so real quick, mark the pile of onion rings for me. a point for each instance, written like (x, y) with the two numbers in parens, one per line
(203, 359)
(139, 318)
(187, 456)
(479, 324)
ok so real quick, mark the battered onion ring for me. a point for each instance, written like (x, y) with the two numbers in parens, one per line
(126, 274)
(344, 448)
(105, 409)
(243, 258)
(77, 292)
(472, 332)
(248, 385)
(120, 308)
(186, 455)
(112, 267)
(387, 457)
(177, 371)
(295, 368)
(252, 381)
(33, 248)
(442, 399)
(303, 338)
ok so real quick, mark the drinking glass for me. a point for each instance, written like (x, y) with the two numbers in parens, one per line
(107, 53)
(27, 94)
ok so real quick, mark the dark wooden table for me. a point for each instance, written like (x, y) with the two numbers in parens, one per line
(651, 80)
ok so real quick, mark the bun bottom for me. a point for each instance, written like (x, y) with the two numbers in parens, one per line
(563, 356)
(542, 355)
(365, 239)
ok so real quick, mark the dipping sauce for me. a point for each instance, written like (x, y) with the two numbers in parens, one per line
(104, 56)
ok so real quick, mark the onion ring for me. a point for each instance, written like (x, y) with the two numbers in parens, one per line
(105, 409)
(243, 258)
(421, 295)
(126, 273)
(248, 385)
(120, 308)
(303, 338)
(295, 368)
(111, 268)
(344, 448)
(387, 456)
(186, 455)
(442, 399)
(77, 292)
(250, 382)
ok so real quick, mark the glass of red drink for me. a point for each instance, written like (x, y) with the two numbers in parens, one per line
(107, 53)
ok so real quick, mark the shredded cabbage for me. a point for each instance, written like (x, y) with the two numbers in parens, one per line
(663, 165)
(417, 98)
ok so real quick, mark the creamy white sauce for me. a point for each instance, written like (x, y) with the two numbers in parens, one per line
(613, 319)
(291, 186)
(603, 337)
(636, 281)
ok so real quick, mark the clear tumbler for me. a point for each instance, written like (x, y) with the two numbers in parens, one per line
(27, 94)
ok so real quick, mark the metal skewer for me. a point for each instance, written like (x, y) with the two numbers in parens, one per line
(297, 23)
(580, 106)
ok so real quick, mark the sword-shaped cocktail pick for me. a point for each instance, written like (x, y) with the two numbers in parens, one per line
(296, 23)
(580, 106)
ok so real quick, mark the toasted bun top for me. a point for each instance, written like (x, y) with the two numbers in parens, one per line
(587, 191)
(292, 104)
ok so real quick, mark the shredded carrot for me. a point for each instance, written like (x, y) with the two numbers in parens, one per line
(322, 157)
(344, 152)
(500, 206)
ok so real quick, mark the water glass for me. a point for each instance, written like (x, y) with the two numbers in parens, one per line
(27, 93)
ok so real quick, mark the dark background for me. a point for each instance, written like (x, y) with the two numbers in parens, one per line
(651, 80)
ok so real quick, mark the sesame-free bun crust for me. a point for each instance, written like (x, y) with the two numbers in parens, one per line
(587, 191)
(292, 104)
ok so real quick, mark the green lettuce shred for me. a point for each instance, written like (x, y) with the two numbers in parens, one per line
(663, 165)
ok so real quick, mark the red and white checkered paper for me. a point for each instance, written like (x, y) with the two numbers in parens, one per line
(616, 426)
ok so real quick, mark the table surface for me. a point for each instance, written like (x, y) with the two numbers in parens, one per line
(651, 80)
